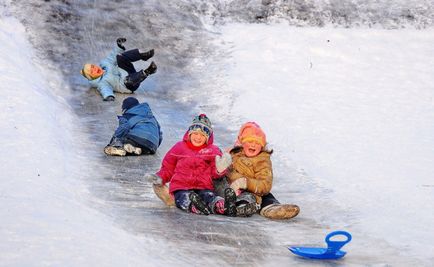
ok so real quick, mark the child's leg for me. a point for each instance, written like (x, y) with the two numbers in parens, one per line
(189, 201)
(230, 198)
(145, 145)
(198, 206)
(182, 200)
(132, 147)
(115, 147)
(133, 80)
(246, 204)
(125, 60)
(146, 55)
(272, 209)
(215, 203)
(268, 200)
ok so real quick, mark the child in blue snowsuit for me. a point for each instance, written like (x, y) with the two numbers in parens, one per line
(138, 131)
(108, 77)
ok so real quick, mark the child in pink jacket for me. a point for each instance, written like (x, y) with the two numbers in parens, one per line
(190, 167)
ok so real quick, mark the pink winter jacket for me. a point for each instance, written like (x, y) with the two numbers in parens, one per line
(187, 169)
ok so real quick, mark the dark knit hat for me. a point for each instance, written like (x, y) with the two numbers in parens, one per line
(129, 102)
(201, 123)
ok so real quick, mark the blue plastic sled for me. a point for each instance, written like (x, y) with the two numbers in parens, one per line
(331, 252)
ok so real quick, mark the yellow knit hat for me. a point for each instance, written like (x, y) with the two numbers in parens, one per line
(251, 132)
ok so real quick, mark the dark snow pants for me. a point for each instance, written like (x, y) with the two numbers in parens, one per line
(182, 199)
(222, 183)
(134, 78)
(268, 200)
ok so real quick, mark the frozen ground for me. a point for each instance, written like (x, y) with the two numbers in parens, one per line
(352, 110)
(348, 113)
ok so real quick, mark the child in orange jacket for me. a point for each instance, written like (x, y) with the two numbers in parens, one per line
(251, 175)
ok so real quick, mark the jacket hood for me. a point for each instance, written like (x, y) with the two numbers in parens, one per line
(141, 109)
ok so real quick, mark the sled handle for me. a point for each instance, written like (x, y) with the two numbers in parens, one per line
(334, 246)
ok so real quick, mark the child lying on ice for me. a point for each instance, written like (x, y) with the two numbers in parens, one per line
(138, 132)
(108, 77)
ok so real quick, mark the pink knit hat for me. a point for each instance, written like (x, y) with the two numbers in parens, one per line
(249, 132)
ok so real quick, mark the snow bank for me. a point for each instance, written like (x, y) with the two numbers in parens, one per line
(351, 108)
(43, 211)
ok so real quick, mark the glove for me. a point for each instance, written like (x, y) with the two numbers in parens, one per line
(223, 162)
(240, 183)
(154, 179)
(120, 42)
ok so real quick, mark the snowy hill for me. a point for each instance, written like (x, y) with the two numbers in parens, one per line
(348, 112)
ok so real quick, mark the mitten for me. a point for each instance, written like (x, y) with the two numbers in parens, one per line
(223, 162)
(120, 42)
(240, 183)
(154, 179)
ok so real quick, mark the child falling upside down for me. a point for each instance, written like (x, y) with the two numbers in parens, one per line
(190, 167)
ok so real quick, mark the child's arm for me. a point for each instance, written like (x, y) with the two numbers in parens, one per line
(263, 180)
(168, 165)
(111, 58)
(221, 164)
(105, 89)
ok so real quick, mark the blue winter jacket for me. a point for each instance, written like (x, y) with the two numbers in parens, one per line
(139, 124)
(113, 77)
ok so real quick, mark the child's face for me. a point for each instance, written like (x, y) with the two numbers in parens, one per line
(197, 138)
(251, 149)
(93, 71)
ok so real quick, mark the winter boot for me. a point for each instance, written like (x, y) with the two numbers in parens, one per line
(230, 198)
(114, 151)
(151, 69)
(197, 203)
(162, 192)
(219, 207)
(147, 55)
(280, 211)
(132, 149)
(246, 209)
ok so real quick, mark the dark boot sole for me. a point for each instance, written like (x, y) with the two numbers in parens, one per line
(246, 210)
(230, 198)
(151, 69)
(280, 211)
(198, 203)
(132, 149)
(114, 151)
(147, 55)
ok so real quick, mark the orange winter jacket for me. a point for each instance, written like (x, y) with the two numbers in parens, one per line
(257, 171)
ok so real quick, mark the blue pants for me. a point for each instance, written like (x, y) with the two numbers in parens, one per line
(182, 198)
